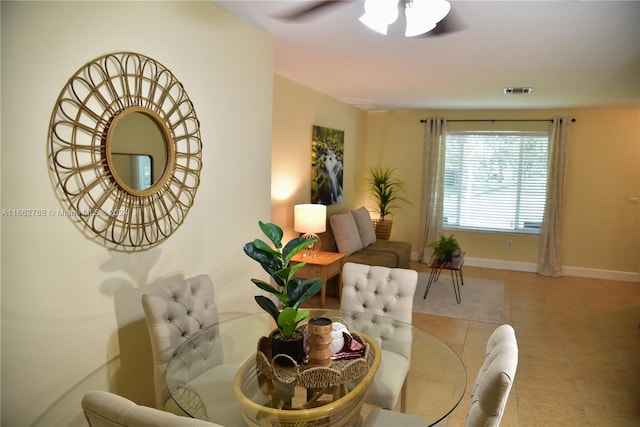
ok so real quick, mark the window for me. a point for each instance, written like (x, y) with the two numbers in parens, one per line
(495, 181)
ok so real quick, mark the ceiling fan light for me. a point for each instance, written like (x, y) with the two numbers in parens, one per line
(423, 15)
(379, 14)
(416, 25)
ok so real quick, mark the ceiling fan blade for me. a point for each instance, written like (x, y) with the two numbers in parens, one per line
(308, 11)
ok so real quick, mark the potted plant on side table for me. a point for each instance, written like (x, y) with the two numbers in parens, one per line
(445, 248)
(385, 189)
(275, 260)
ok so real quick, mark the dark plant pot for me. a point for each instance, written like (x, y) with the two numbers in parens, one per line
(292, 347)
(447, 257)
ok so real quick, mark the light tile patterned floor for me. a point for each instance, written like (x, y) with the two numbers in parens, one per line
(579, 344)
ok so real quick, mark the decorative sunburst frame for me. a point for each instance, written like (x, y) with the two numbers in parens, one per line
(96, 97)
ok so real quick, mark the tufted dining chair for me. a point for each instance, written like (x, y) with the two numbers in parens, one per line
(495, 379)
(105, 409)
(490, 391)
(172, 313)
(386, 292)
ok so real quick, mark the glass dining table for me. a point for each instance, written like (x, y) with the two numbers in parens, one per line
(203, 374)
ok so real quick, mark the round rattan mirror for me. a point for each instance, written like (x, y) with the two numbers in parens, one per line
(125, 151)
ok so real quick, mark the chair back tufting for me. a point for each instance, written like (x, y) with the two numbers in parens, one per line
(173, 313)
(388, 294)
(495, 379)
(379, 290)
(490, 392)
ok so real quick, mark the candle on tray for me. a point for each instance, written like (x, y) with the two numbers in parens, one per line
(319, 339)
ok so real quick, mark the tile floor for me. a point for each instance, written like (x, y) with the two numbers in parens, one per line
(579, 349)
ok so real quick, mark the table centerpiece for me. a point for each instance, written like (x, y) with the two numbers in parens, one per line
(291, 292)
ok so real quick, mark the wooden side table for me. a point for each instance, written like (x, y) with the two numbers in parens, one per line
(324, 265)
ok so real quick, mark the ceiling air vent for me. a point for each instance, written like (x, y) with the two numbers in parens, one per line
(517, 90)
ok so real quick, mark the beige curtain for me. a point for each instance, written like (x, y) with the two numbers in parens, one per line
(435, 133)
(549, 251)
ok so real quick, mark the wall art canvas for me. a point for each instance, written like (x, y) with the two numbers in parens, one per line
(327, 155)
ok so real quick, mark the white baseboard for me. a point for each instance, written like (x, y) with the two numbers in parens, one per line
(501, 264)
(623, 276)
(529, 267)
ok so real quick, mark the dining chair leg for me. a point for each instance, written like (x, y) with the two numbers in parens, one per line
(403, 396)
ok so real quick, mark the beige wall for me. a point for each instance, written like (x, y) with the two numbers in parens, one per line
(601, 235)
(601, 228)
(68, 304)
(295, 110)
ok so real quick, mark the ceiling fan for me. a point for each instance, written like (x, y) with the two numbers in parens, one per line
(423, 17)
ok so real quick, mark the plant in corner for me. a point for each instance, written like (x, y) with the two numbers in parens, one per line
(386, 190)
(445, 248)
(275, 260)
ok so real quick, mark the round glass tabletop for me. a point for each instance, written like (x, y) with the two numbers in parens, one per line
(200, 374)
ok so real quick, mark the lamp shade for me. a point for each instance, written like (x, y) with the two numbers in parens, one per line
(310, 218)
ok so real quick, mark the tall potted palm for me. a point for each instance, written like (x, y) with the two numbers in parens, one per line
(386, 190)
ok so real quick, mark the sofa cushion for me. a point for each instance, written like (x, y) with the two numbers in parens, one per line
(345, 232)
(365, 226)
(386, 253)
(400, 252)
(364, 256)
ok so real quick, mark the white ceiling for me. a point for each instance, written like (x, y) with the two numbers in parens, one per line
(573, 54)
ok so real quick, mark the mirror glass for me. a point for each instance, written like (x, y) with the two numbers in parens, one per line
(134, 169)
(138, 150)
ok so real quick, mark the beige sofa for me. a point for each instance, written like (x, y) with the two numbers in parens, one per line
(352, 233)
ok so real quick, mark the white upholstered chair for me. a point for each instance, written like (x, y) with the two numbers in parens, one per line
(172, 314)
(105, 409)
(386, 292)
(490, 391)
(176, 312)
(495, 379)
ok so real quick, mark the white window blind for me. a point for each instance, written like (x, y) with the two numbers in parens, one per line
(495, 181)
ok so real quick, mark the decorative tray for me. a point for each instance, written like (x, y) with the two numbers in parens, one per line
(340, 372)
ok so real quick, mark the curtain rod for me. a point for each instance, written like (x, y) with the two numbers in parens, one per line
(500, 120)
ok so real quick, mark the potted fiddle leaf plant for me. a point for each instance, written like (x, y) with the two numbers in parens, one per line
(291, 292)
(386, 190)
(445, 248)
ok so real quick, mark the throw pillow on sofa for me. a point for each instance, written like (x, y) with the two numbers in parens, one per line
(345, 232)
(365, 226)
